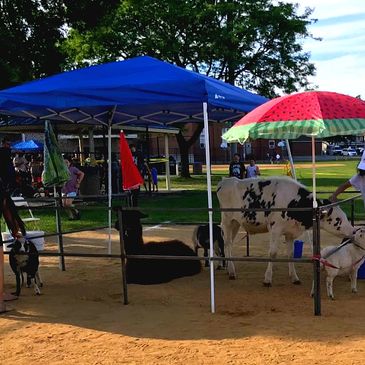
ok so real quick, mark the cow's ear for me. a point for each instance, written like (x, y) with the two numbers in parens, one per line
(10, 245)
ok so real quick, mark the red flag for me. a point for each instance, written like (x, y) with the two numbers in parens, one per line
(131, 177)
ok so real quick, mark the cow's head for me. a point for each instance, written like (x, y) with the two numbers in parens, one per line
(334, 220)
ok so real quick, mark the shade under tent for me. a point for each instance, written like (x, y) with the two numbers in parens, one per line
(143, 92)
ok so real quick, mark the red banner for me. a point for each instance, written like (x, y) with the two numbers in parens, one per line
(131, 177)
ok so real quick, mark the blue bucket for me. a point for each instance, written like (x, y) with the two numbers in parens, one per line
(361, 271)
(298, 249)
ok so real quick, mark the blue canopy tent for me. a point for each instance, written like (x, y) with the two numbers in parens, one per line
(27, 146)
(141, 91)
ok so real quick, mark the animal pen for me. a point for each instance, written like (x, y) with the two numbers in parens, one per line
(314, 260)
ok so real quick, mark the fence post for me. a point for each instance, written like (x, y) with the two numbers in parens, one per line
(58, 204)
(247, 244)
(316, 263)
(122, 257)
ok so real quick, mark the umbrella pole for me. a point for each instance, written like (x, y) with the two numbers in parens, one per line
(292, 168)
(316, 237)
(315, 203)
(210, 206)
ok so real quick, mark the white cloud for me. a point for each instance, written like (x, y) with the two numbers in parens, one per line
(331, 8)
(342, 75)
(339, 57)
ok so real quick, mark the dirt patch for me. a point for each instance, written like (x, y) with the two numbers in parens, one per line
(80, 318)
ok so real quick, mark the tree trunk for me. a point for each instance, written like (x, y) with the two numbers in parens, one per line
(184, 146)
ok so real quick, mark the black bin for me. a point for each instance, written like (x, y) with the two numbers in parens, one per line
(90, 185)
(197, 168)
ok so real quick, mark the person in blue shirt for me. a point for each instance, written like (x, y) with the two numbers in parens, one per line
(154, 179)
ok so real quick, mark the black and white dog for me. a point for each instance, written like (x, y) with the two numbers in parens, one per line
(201, 240)
(24, 258)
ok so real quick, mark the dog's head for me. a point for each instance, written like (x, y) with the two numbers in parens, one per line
(22, 245)
(18, 246)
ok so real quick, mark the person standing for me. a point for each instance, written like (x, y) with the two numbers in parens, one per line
(253, 170)
(357, 181)
(277, 158)
(20, 163)
(36, 169)
(237, 167)
(140, 163)
(154, 179)
(71, 189)
(7, 170)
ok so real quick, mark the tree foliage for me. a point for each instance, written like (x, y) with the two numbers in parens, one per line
(255, 44)
(30, 33)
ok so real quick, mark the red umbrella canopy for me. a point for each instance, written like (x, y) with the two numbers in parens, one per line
(318, 113)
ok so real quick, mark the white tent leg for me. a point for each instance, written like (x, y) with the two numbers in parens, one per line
(110, 189)
(315, 203)
(167, 156)
(292, 168)
(210, 205)
(110, 180)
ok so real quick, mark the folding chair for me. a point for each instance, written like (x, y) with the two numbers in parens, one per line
(19, 201)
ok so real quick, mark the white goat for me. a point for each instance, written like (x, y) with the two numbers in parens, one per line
(342, 260)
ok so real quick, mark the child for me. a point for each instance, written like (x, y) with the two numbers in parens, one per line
(252, 170)
(154, 179)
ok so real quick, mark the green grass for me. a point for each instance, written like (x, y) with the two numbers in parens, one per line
(192, 194)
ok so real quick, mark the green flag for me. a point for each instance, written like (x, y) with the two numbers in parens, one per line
(55, 169)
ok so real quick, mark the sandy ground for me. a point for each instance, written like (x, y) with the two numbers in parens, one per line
(80, 319)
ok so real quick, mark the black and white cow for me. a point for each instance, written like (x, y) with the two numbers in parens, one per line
(275, 192)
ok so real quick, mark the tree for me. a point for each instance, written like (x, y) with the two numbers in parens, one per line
(253, 44)
(30, 33)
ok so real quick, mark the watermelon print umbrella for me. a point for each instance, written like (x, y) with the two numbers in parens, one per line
(312, 113)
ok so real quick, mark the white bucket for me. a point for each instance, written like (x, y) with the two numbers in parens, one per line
(38, 242)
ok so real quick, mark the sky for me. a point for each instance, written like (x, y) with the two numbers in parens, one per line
(340, 56)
